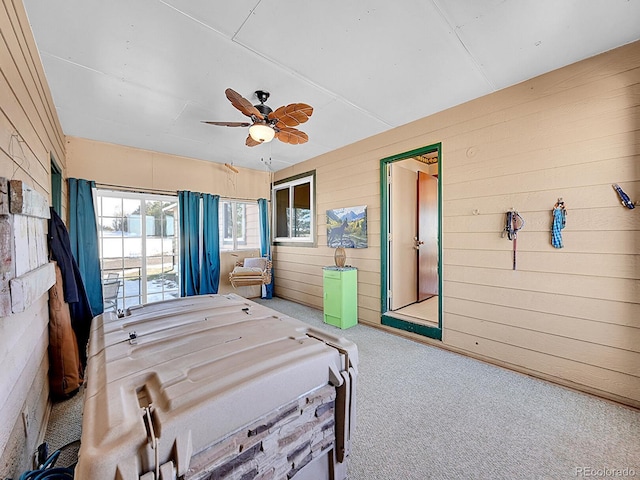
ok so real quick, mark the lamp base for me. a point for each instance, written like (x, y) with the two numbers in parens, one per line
(340, 257)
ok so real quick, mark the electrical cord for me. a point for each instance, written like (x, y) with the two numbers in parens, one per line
(48, 471)
(57, 473)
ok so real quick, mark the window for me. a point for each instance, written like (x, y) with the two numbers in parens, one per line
(239, 225)
(294, 209)
(138, 238)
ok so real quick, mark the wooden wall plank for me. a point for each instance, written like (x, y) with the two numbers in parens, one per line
(480, 162)
(346, 199)
(596, 242)
(359, 177)
(313, 291)
(605, 381)
(22, 73)
(30, 245)
(594, 219)
(302, 278)
(542, 113)
(315, 278)
(599, 173)
(605, 311)
(21, 361)
(577, 286)
(369, 303)
(369, 317)
(298, 297)
(28, 288)
(21, 249)
(18, 160)
(563, 128)
(28, 138)
(595, 354)
(318, 256)
(4, 196)
(552, 261)
(24, 200)
(574, 197)
(15, 455)
(624, 337)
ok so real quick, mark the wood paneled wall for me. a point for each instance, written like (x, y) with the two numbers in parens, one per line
(107, 163)
(570, 315)
(29, 133)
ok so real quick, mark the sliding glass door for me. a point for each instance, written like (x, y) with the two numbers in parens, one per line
(138, 237)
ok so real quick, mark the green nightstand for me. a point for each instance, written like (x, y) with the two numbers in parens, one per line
(340, 286)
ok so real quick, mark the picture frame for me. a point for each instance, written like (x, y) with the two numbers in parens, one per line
(347, 227)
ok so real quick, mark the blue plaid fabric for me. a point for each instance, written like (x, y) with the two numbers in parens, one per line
(559, 221)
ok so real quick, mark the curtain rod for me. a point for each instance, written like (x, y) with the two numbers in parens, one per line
(166, 192)
(134, 189)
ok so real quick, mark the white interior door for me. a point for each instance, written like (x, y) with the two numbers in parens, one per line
(403, 258)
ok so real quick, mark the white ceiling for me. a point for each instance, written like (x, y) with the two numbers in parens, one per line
(145, 73)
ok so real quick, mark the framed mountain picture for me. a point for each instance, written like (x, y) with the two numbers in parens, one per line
(347, 227)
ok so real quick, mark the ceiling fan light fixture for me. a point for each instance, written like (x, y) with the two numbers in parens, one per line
(261, 133)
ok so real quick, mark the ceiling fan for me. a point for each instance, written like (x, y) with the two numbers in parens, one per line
(267, 123)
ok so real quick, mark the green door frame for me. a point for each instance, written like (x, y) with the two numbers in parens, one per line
(56, 185)
(386, 318)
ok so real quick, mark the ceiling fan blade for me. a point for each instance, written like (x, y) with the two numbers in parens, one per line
(250, 142)
(242, 104)
(292, 136)
(292, 114)
(229, 124)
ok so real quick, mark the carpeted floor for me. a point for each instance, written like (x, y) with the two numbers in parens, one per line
(425, 413)
(64, 429)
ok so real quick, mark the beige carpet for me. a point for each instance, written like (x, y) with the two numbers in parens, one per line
(64, 429)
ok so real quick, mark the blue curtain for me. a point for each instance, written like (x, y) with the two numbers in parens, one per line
(189, 206)
(83, 235)
(210, 265)
(265, 242)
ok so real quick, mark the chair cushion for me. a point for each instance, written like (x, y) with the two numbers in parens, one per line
(237, 271)
(256, 262)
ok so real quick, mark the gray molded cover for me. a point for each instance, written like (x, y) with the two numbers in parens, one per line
(207, 365)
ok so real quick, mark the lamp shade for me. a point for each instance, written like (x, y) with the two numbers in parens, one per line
(261, 133)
